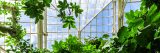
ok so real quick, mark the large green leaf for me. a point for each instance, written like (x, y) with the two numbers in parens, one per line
(34, 8)
(105, 36)
(67, 12)
(65, 25)
(130, 16)
(47, 2)
(156, 18)
(123, 34)
(152, 10)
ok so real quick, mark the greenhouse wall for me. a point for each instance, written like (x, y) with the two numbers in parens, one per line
(96, 20)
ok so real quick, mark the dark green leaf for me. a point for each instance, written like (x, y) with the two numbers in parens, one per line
(105, 36)
(152, 10)
(73, 26)
(156, 18)
(123, 34)
(65, 25)
(149, 45)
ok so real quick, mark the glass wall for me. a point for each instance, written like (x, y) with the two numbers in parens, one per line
(54, 25)
(101, 24)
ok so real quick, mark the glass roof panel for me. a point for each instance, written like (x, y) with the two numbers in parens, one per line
(90, 9)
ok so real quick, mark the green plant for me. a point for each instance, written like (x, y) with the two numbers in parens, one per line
(67, 11)
(14, 31)
(98, 42)
(23, 46)
(73, 45)
(149, 3)
(142, 33)
(35, 8)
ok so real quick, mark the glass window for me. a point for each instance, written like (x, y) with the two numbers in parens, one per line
(26, 26)
(49, 44)
(99, 28)
(51, 20)
(2, 18)
(99, 21)
(2, 41)
(52, 28)
(33, 28)
(27, 36)
(34, 39)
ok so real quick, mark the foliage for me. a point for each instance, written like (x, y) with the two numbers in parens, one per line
(23, 46)
(73, 45)
(14, 31)
(67, 11)
(35, 8)
(98, 42)
(149, 3)
(142, 33)
(12, 28)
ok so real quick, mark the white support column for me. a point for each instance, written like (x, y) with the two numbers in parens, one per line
(45, 28)
(114, 17)
(40, 34)
(120, 13)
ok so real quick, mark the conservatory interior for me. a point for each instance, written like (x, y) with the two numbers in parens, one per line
(79, 26)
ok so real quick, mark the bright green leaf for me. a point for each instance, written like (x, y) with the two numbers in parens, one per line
(65, 25)
(152, 10)
(156, 18)
(149, 45)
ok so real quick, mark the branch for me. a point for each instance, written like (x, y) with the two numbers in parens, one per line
(9, 30)
(2, 49)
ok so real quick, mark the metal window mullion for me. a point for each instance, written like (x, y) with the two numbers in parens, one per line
(30, 32)
(96, 18)
(103, 18)
(87, 14)
(79, 31)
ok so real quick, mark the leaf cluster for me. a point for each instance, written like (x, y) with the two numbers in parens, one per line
(73, 45)
(142, 33)
(23, 46)
(67, 12)
(98, 42)
(35, 8)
